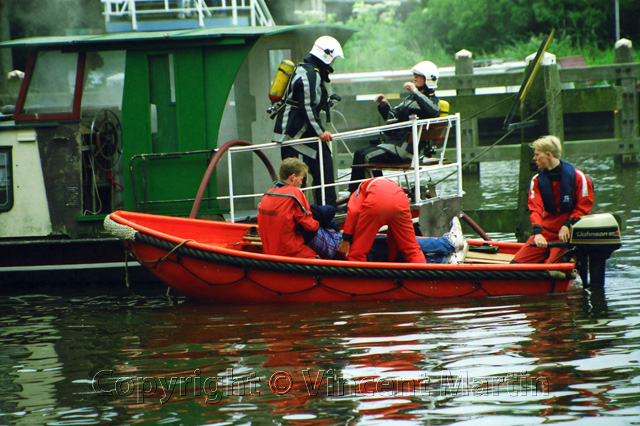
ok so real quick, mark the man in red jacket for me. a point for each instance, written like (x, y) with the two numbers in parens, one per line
(285, 218)
(283, 211)
(559, 195)
(375, 203)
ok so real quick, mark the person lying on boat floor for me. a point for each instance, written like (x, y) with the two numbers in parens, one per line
(381, 201)
(286, 219)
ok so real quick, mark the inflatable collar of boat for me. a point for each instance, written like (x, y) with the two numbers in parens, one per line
(342, 270)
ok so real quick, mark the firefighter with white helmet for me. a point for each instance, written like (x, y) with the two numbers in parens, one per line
(422, 101)
(327, 49)
(429, 71)
(299, 115)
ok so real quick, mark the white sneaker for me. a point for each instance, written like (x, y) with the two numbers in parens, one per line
(458, 256)
(455, 234)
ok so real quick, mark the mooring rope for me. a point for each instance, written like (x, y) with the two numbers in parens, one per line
(488, 108)
(160, 259)
(493, 145)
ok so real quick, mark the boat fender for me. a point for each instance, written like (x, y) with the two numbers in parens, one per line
(281, 81)
(122, 232)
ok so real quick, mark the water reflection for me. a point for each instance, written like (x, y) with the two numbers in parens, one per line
(35, 366)
(369, 362)
(541, 357)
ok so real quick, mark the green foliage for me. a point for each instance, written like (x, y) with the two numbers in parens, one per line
(382, 42)
(562, 45)
(488, 25)
(490, 29)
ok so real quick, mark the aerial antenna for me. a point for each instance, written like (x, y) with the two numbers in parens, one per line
(524, 88)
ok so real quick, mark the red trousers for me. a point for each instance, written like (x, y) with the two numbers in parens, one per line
(385, 204)
(529, 254)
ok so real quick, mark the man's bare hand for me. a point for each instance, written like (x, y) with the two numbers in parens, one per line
(344, 248)
(381, 99)
(540, 241)
(326, 136)
(409, 86)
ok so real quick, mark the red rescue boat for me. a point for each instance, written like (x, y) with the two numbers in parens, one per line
(214, 261)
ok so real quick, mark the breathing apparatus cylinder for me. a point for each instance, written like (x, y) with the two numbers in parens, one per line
(281, 80)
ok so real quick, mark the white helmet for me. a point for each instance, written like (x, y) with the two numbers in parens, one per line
(429, 71)
(326, 49)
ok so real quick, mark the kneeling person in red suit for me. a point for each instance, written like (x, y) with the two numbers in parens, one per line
(375, 203)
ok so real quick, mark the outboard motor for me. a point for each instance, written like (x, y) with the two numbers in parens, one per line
(594, 238)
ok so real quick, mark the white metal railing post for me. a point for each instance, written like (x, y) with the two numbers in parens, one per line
(252, 13)
(416, 158)
(234, 12)
(321, 166)
(132, 12)
(107, 10)
(200, 14)
(231, 203)
(204, 7)
(459, 154)
(445, 140)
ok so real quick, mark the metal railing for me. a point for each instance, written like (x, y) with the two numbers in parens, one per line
(142, 201)
(419, 172)
(257, 10)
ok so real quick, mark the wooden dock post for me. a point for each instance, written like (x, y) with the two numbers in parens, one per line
(544, 99)
(628, 114)
(468, 128)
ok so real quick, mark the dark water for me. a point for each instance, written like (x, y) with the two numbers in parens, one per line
(98, 355)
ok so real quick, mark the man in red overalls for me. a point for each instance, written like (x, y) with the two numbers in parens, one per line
(559, 195)
(375, 203)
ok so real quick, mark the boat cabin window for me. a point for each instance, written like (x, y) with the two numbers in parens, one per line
(52, 83)
(104, 80)
(6, 184)
(60, 84)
